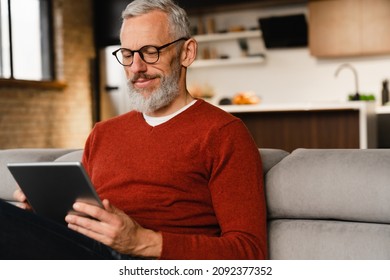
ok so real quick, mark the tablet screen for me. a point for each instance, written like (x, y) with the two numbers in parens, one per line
(52, 188)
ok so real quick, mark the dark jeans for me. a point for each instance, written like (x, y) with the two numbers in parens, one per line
(25, 235)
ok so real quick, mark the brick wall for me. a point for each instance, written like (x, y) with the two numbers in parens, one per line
(40, 118)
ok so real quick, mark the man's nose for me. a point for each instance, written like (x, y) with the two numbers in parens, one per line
(139, 65)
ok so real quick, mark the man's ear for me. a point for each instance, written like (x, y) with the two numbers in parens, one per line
(189, 51)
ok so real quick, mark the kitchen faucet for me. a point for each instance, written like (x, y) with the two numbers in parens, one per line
(347, 65)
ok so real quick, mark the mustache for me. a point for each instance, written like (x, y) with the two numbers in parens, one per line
(144, 76)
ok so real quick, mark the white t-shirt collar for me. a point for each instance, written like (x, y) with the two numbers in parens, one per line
(154, 121)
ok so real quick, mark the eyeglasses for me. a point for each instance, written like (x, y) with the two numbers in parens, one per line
(149, 54)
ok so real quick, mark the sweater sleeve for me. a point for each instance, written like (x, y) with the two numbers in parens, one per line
(236, 187)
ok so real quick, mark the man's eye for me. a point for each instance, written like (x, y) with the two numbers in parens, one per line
(127, 54)
(150, 51)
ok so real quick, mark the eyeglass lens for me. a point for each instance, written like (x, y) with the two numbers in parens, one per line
(149, 54)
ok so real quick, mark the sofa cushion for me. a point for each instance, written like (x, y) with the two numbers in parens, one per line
(328, 240)
(340, 184)
(72, 156)
(8, 184)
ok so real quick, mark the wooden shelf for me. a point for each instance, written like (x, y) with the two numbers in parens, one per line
(227, 36)
(222, 37)
(227, 62)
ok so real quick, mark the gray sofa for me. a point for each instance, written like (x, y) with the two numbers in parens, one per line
(322, 204)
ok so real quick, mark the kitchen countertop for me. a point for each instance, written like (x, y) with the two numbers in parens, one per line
(383, 109)
(302, 106)
(367, 114)
(305, 106)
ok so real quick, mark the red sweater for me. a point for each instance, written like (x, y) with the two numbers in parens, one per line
(196, 178)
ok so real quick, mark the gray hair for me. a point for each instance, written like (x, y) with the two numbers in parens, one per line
(179, 25)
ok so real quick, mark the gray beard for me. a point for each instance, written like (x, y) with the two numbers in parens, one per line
(160, 98)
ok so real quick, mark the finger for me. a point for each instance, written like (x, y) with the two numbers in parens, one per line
(84, 226)
(89, 210)
(19, 196)
(87, 223)
(100, 231)
(98, 219)
(21, 205)
(106, 217)
(21, 200)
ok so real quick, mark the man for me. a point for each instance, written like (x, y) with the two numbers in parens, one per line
(179, 178)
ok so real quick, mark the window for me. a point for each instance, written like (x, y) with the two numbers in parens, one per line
(25, 40)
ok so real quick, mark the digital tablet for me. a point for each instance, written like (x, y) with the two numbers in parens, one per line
(52, 188)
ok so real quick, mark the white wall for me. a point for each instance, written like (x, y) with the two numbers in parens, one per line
(290, 75)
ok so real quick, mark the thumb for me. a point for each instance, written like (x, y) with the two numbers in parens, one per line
(109, 207)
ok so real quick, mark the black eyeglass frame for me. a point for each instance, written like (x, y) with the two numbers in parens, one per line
(139, 51)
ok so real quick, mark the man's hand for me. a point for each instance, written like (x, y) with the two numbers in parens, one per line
(115, 229)
(21, 200)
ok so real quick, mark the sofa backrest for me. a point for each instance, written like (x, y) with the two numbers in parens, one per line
(72, 156)
(352, 185)
(330, 204)
(270, 157)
